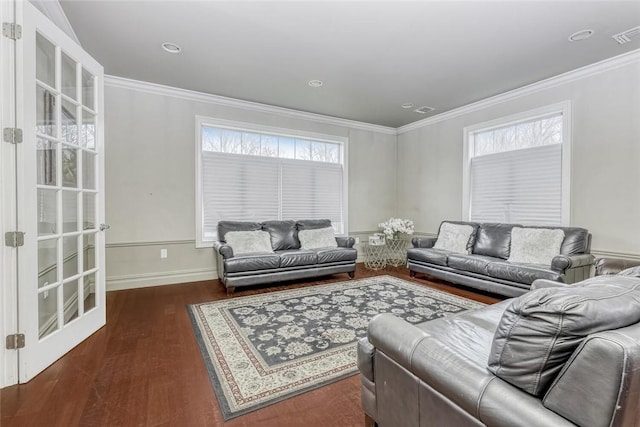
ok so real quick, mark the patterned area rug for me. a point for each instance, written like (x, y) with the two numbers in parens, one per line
(265, 348)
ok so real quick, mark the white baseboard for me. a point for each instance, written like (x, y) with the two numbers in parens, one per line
(117, 283)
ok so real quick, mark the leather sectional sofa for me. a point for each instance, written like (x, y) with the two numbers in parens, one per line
(561, 355)
(486, 266)
(286, 260)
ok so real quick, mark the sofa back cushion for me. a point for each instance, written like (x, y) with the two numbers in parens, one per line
(312, 224)
(493, 240)
(284, 234)
(457, 237)
(225, 226)
(539, 330)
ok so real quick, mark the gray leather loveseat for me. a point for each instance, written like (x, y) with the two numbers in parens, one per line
(561, 355)
(285, 259)
(485, 263)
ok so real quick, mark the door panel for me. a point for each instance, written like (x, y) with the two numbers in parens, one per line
(60, 198)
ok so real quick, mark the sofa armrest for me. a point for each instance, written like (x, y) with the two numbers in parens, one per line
(562, 263)
(395, 337)
(223, 249)
(365, 358)
(423, 242)
(544, 283)
(345, 241)
(606, 266)
(599, 384)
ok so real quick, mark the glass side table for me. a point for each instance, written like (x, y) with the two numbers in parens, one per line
(397, 251)
(375, 256)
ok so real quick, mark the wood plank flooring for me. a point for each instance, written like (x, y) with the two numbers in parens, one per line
(144, 368)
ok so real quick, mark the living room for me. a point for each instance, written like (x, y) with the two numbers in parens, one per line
(405, 164)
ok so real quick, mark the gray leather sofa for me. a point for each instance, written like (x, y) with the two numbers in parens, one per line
(486, 266)
(287, 261)
(441, 372)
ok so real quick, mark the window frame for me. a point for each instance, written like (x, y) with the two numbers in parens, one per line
(257, 128)
(563, 108)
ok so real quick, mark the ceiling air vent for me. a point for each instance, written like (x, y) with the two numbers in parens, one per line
(626, 36)
(424, 110)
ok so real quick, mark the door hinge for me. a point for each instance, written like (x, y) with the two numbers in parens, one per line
(12, 135)
(15, 341)
(14, 239)
(11, 30)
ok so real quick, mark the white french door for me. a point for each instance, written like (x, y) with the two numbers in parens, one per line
(60, 192)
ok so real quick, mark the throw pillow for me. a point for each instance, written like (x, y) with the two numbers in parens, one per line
(454, 237)
(318, 238)
(539, 330)
(246, 242)
(535, 245)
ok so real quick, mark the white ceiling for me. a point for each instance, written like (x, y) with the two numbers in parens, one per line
(372, 56)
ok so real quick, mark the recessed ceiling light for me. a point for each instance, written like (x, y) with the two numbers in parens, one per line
(315, 83)
(407, 105)
(580, 35)
(171, 47)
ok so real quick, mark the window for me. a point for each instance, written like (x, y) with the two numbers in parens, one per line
(516, 169)
(254, 173)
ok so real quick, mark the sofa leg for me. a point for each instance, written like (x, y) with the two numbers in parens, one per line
(412, 273)
(351, 274)
(230, 290)
(369, 422)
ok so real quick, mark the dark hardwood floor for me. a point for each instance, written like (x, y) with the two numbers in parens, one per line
(144, 368)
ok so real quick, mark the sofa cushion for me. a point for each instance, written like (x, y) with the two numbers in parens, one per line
(521, 273)
(473, 263)
(312, 224)
(455, 237)
(253, 262)
(329, 255)
(429, 255)
(535, 245)
(539, 330)
(244, 242)
(284, 234)
(295, 258)
(225, 226)
(493, 240)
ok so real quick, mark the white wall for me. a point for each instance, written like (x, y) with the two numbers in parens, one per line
(150, 179)
(605, 172)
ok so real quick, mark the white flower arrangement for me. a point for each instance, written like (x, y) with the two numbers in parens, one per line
(393, 226)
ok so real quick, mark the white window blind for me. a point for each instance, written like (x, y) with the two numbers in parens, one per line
(249, 176)
(238, 188)
(520, 186)
(312, 190)
(516, 171)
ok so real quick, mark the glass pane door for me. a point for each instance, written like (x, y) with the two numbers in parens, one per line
(62, 195)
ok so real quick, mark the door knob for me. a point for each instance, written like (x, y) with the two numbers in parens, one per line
(104, 227)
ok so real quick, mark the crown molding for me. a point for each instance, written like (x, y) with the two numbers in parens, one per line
(190, 95)
(570, 76)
